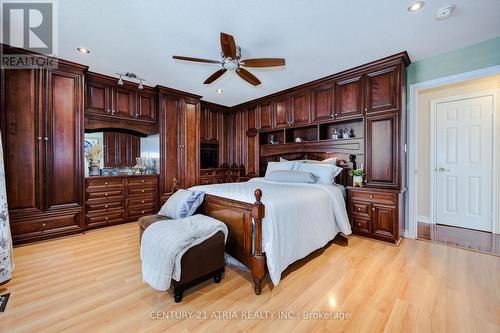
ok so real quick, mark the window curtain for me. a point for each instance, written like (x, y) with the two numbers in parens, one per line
(6, 263)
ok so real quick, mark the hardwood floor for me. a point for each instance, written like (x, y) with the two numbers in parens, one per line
(92, 282)
(460, 237)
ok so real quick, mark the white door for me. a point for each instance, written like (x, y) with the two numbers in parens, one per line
(464, 163)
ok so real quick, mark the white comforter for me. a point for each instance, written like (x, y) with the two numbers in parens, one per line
(299, 218)
(164, 243)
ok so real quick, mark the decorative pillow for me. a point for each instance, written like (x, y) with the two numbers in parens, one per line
(273, 166)
(182, 203)
(324, 173)
(283, 160)
(331, 161)
(290, 176)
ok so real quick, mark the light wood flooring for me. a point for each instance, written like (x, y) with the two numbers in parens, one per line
(92, 283)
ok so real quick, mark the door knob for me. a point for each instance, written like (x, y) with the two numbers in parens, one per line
(443, 170)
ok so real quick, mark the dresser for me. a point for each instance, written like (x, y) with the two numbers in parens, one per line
(119, 199)
(220, 175)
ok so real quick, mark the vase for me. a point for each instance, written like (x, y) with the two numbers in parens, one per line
(357, 181)
(94, 171)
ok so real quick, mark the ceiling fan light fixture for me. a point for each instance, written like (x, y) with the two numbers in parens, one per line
(416, 6)
(120, 81)
(220, 91)
(82, 50)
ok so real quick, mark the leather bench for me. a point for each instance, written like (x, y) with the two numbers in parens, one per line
(201, 262)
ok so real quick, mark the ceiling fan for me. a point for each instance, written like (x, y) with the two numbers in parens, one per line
(231, 54)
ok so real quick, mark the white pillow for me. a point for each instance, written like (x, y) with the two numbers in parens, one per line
(182, 203)
(273, 166)
(283, 159)
(324, 173)
(291, 177)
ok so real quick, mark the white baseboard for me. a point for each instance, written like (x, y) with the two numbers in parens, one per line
(424, 219)
(406, 234)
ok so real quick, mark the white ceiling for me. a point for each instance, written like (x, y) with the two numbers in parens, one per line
(317, 37)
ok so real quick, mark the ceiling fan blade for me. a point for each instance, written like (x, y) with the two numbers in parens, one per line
(247, 76)
(208, 61)
(263, 62)
(228, 45)
(215, 76)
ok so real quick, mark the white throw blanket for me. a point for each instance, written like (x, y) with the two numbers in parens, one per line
(164, 243)
(299, 218)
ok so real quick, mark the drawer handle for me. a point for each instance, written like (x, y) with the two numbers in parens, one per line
(373, 209)
(142, 212)
(142, 181)
(44, 225)
(142, 201)
(359, 209)
(106, 183)
(105, 194)
(142, 191)
(105, 206)
(106, 218)
(371, 196)
(359, 224)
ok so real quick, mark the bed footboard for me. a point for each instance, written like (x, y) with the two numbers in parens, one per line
(244, 222)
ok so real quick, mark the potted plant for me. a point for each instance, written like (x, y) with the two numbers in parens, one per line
(357, 177)
(94, 155)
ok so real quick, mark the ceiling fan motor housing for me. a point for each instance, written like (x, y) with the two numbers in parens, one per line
(230, 63)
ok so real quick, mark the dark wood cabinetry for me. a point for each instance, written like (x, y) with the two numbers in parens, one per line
(266, 115)
(382, 90)
(349, 97)
(281, 112)
(322, 102)
(300, 108)
(41, 120)
(220, 175)
(376, 213)
(119, 199)
(146, 105)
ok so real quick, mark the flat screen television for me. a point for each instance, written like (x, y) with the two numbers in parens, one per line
(209, 155)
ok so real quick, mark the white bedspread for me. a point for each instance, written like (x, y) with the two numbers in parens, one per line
(164, 243)
(299, 218)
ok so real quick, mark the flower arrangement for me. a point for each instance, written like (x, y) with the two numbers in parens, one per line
(94, 155)
(357, 177)
(357, 172)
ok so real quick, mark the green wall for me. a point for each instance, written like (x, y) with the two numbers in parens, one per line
(477, 56)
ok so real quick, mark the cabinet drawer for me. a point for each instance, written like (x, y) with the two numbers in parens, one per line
(206, 181)
(206, 173)
(135, 214)
(104, 200)
(361, 209)
(220, 172)
(379, 197)
(140, 181)
(45, 225)
(104, 205)
(104, 184)
(104, 195)
(104, 218)
(141, 201)
(142, 191)
(361, 225)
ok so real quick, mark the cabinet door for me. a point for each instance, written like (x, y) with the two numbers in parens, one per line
(63, 140)
(266, 121)
(22, 138)
(300, 107)
(213, 121)
(97, 98)
(124, 103)
(281, 112)
(381, 92)
(382, 154)
(252, 154)
(251, 115)
(384, 220)
(349, 98)
(146, 106)
(190, 144)
(322, 99)
(169, 143)
(111, 149)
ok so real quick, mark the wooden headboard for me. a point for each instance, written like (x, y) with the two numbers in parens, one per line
(345, 161)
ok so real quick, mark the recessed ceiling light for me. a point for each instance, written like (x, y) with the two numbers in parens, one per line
(220, 91)
(415, 7)
(83, 50)
(444, 12)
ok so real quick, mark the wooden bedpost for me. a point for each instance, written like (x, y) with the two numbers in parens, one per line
(175, 186)
(259, 268)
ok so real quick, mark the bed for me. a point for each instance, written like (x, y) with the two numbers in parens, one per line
(290, 230)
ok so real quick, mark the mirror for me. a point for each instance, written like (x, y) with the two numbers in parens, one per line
(119, 153)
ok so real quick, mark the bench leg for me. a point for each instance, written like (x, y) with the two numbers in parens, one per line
(177, 295)
(257, 286)
(218, 277)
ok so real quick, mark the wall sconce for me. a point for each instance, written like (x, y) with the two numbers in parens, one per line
(131, 76)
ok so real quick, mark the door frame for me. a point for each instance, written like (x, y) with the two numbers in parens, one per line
(433, 151)
(412, 130)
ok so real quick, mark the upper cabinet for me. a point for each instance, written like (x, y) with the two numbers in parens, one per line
(281, 111)
(266, 119)
(382, 90)
(300, 107)
(107, 101)
(349, 97)
(322, 102)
